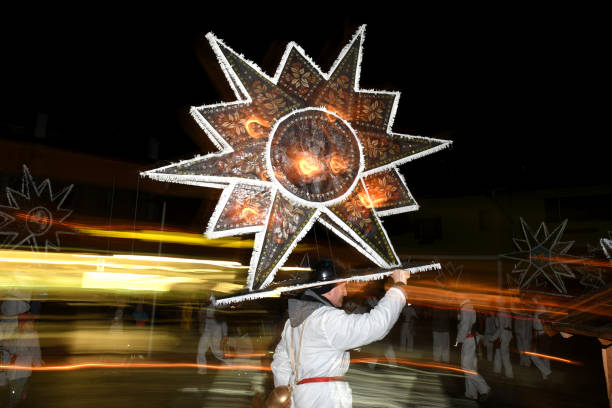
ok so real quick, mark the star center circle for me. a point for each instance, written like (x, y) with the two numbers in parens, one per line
(315, 156)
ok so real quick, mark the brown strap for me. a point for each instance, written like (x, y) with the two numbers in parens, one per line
(294, 363)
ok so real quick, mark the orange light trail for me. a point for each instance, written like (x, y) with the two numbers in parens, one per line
(247, 367)
(35, 218)
(404, 361)
(587, 262)
(81, 366)
(546, 356)
(251, 121)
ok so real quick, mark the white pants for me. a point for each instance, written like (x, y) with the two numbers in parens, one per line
(212, 341)
(407, 337)
(441, 345)
(542, 364)
(502, 355)
(523, 340)
(489, 345)
(474, 383)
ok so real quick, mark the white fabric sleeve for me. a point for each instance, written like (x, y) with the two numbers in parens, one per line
(348, 331)
(281, 364)
(466, 320)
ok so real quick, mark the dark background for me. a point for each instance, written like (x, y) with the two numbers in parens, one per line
(521, 92)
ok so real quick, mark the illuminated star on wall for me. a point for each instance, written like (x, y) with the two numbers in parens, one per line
(541, 258)
(298, 147)
(34, 216)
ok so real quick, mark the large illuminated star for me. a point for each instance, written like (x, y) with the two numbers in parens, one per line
(302, 146)
(541, 257)
(34, 215)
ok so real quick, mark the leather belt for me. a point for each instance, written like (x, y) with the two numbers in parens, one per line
(320, 379)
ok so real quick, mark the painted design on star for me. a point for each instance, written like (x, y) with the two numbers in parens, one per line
(541, 259)
(34, 216)
(306, 145)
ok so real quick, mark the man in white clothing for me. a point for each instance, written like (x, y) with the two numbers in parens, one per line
(441, 336)
(475, 386)
(503, 332)
(312, 355)
(489, 331)
(407, 333)
(523, 329)
(541, 342)
(214, 333)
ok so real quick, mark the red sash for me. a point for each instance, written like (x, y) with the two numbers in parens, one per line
(320, 379)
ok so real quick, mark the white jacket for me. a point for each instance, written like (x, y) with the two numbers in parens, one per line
(329, 333)
(467, 318)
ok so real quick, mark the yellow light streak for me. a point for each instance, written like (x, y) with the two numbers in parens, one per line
(227, 287)
(169, 237)
(131, 281)
(79, 271)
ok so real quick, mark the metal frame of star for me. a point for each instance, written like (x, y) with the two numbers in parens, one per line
(27, 181)
(533, 241)
(229, 183)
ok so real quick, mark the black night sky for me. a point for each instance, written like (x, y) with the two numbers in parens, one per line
(520, 97)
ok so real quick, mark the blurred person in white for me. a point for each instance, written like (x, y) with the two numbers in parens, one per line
(214, 334)
(16, 303)
(441, 334)
(523, 330)
(476, 387)
(489, 332)
(25, 353)
(541, 341)
(407, 332)
(502, 337)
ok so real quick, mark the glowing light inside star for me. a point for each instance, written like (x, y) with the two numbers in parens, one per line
(331, 109)
(248, 125)
(248, 213)
(308, 165)
(373, 200)
(337, 164)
